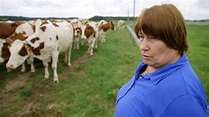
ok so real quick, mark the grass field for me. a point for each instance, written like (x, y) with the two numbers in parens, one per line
(199, 52)
(90, 90)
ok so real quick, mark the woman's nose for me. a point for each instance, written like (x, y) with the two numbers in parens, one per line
(144, 45)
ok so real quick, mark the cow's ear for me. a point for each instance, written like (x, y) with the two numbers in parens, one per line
(38, 23)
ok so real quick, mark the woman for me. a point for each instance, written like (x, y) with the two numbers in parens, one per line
(164, 84)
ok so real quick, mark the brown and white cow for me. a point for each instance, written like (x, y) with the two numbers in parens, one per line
(22, 32)
(48, 41)
(121, 24)
(101, 22)
(90, 33)
(6, 29)
(103, 29)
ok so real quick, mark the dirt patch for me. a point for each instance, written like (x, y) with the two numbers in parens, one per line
(8, 95)
(75, 65)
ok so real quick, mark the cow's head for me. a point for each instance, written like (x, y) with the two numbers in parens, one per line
(83, 28)
(112, 26)
(89, 31)
(19, 51)
(77, 32)
(21, 32)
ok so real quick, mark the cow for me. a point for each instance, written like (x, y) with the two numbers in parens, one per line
(103, 29)
(76, 23)
(121, 24)
(101, 22)
(90, 33)
(22, 32)
(76, 37)
(6, 29)
(48, 41)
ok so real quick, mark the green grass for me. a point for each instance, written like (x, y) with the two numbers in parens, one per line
(198, 54)
(91, 89)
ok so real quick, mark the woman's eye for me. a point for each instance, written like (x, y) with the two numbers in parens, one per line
(152, 37)
(141, 37)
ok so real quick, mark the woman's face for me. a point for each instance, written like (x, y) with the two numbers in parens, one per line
(155, 52)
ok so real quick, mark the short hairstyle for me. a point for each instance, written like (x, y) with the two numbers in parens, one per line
(166, 23)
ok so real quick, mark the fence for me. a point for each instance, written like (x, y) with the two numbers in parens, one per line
(135, 38)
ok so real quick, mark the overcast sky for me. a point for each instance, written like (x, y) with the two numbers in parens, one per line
(191, 9)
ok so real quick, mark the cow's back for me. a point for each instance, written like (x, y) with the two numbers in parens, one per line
(65, 36)
(6, 29)
(23, 31)
(52, 35)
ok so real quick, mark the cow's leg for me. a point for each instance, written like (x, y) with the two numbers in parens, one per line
(32, 68)
(23, 67)
(101, 38)
(104, 37)
(77, 42)
(96, 45)
(46, 74)
(82, 42)
(78, 45)
(74, 45)
(69, 55)
(92, 46)
(54, 65)
(96, 42)
(66, 56)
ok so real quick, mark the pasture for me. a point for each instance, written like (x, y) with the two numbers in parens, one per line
(89, 87)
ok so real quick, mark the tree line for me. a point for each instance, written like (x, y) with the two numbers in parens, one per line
(95, 18)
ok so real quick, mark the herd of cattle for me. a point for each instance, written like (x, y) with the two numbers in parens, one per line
(46, 39)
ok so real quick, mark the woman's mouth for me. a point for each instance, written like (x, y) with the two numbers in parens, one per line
(146, 57)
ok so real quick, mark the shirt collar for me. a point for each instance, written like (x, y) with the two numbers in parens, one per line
(162, 73)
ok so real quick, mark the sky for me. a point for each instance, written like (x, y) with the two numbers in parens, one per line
(84, 9)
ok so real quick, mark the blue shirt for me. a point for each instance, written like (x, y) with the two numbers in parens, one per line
(172, 91)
